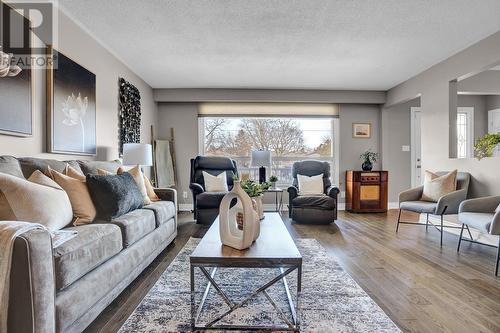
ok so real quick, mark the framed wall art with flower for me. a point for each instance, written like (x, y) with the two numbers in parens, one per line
(71, 107)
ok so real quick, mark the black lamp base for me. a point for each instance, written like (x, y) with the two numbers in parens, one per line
(262, 174)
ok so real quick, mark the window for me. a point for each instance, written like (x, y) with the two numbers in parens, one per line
(465, 132)
(289, 139)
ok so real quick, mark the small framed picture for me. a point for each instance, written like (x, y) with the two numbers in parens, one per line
(361, 130)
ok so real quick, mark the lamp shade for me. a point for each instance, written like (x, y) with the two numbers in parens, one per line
(137, 154)
(261, 158)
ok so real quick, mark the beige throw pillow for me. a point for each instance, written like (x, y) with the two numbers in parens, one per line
(310, 185)
(84, 211)
(215, 183)
(38, 199)
(150, 190)
(436, 186)
(138, 176)
(73, 173)
(102, 172)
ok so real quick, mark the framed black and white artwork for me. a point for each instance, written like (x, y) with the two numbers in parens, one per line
(16, 87)
(71, 107)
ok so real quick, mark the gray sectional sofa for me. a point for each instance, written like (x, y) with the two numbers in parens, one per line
(63, 289)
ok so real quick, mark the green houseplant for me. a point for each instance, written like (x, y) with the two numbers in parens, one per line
(368, 158)
(485, 145)
(273, 179)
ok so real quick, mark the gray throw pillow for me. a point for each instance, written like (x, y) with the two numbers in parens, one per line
(114, 195)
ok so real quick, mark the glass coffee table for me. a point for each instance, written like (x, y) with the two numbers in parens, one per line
(274, 248)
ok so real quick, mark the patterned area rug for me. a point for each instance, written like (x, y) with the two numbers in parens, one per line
(331, 300)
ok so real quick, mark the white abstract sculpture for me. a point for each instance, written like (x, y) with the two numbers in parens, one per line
(239, 225)
(260, 207)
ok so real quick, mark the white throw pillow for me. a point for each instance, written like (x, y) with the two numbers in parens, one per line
(437, 186)
(310, 185)
(38, 199)
(215, 183)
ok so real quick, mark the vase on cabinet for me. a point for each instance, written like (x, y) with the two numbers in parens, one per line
(239, 225)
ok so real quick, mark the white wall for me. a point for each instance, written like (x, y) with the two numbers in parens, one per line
(433, 85)
(82, 48)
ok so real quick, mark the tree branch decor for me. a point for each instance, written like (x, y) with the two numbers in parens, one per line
(129, 113)
(484, 146)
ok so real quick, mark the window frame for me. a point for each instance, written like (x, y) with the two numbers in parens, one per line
(334, 160)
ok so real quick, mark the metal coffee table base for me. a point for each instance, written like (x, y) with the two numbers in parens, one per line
(289, 325)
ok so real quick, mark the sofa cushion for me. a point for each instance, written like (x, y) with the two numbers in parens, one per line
(114, 195)
(479, 221)
(209, 199)
(90, 167)
(322, 202)
(163, 210)
(93, 245)
(10, 165)
(38, 199)
(30, 164)
(135, 225)
(419, 206)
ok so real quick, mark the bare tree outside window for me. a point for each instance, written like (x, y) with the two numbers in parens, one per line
(288, 139)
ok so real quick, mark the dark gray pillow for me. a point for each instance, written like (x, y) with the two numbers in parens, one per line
(114, 195)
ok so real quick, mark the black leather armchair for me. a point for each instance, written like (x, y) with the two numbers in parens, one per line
(206, 204)
(313, 209)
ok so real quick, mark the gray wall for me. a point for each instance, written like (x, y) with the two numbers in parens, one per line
(433, 85)
(183, 118)
(478, 102)
(79, 46)
(492, 102)
(396, 132)
(269, 95)
(351, 148)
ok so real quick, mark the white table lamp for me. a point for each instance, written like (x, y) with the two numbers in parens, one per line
(261, 159)
(140, 154)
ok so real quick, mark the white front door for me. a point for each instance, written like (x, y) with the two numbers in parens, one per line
(494, 126)
(416, 146)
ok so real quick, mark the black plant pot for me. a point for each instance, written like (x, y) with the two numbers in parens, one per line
(367, 165)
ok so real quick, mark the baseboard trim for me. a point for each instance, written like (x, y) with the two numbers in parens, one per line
(390, 205)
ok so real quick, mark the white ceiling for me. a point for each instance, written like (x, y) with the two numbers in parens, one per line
(318, 44)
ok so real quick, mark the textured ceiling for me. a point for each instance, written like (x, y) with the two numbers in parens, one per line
(318, 44)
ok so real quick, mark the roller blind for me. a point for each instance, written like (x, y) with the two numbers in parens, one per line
(268, 110)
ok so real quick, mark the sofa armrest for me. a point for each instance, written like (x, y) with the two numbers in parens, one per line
(332, 191)
(32, 284)
(167, 194)
(480, 205)
(451, 201)
(413, 194)
(196, 189)
(293, 192)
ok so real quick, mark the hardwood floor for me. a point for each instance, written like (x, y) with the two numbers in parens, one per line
(421, 287)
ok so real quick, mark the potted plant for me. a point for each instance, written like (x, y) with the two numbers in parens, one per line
(484, 147)
(255, 191)
(273, 179)
(368, 158)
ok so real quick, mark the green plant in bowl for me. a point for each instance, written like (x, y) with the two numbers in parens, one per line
(484, 146)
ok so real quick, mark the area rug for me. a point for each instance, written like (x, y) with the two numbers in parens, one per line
(331, 300)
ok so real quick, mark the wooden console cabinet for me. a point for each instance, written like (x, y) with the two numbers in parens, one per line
(366, 191)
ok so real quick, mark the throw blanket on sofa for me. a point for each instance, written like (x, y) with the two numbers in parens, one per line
(9, 230)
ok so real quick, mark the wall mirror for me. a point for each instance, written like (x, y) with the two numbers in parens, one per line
(474, 111)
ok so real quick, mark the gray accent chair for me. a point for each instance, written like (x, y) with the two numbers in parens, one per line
(312, 209)
(482, 214)
(410, 200)
(206, 204)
